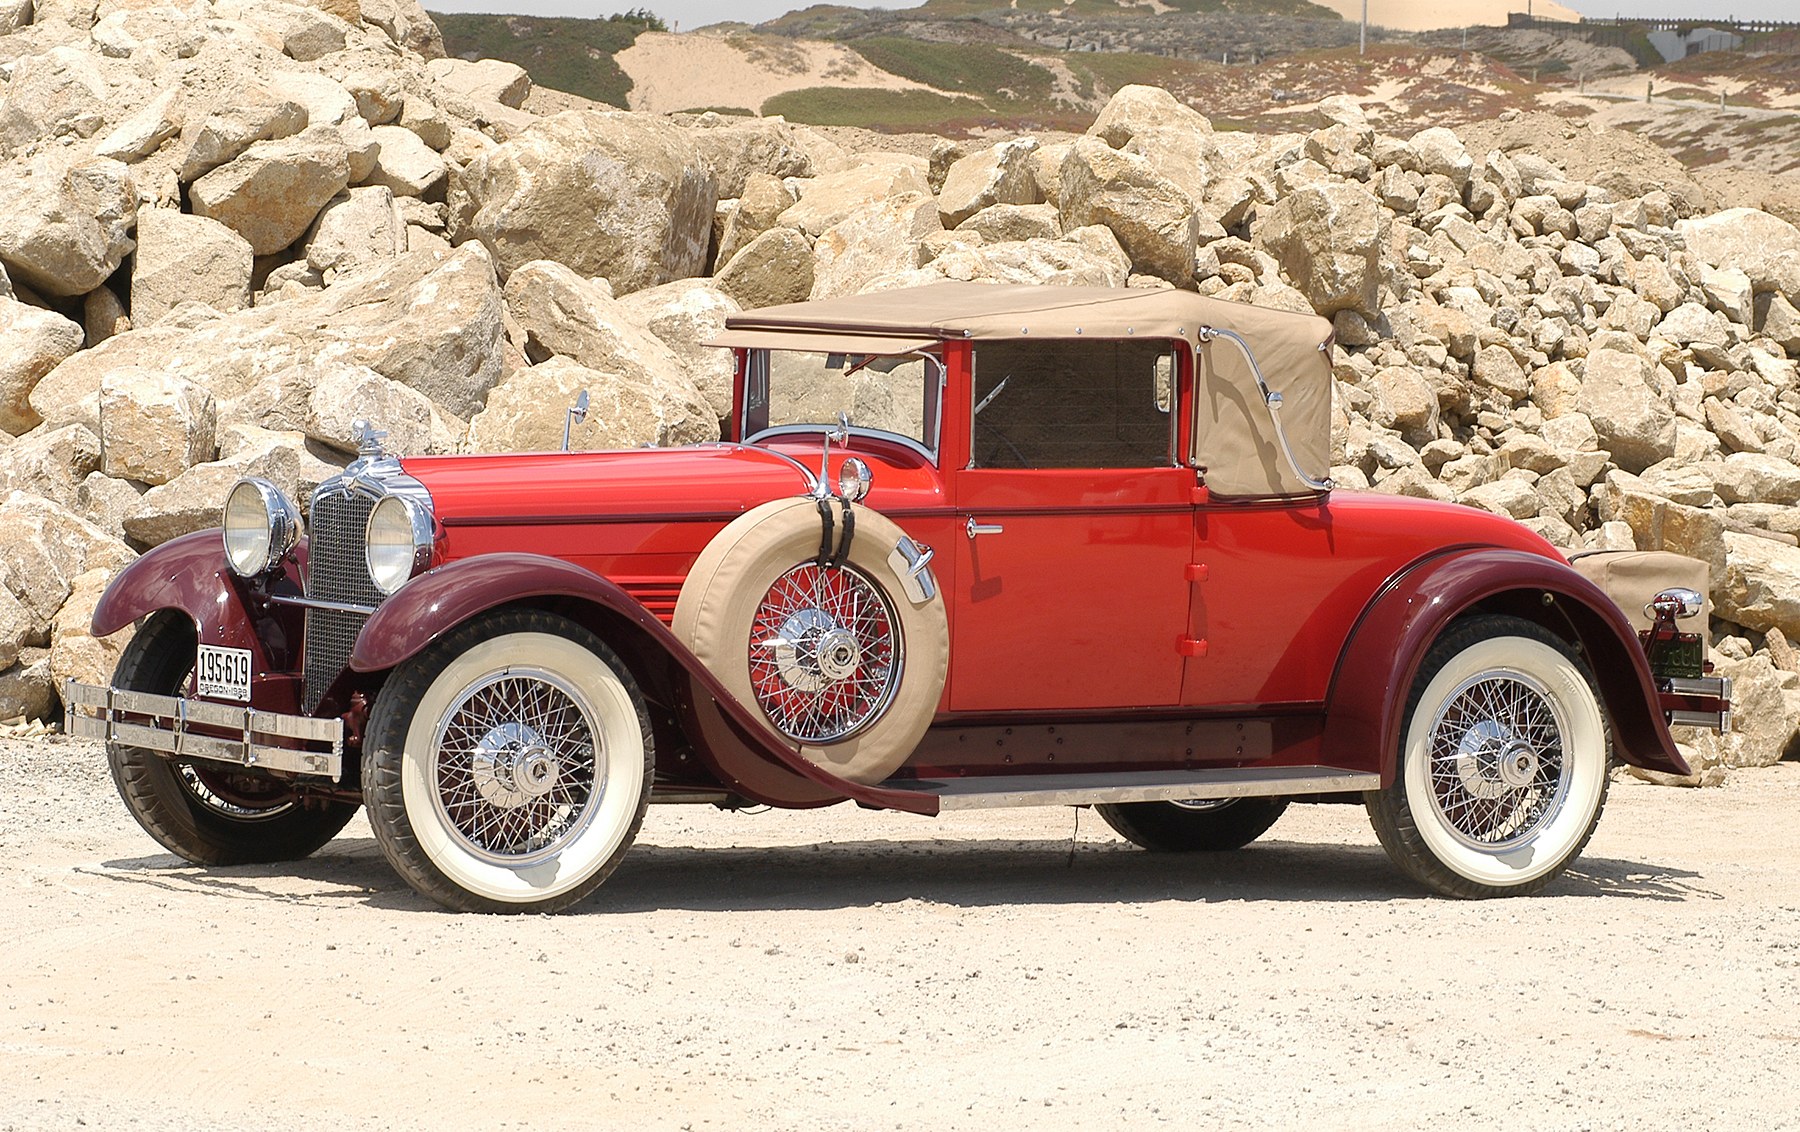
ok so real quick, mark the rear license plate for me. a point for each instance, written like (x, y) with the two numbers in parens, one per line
(223, 673)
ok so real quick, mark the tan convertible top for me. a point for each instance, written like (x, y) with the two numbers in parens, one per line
(1235, 437)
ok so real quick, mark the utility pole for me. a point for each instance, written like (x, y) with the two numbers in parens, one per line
(1362, 36)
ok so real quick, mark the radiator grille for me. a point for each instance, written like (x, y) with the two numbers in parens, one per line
(336, 572)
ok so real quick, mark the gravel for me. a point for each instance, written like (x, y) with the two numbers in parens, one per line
(841, 969)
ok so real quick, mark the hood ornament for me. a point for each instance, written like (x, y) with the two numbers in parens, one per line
(368, 440)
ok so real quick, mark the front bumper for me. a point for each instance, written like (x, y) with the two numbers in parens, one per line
(196, 729)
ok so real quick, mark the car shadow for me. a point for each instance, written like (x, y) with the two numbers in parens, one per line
(972, 873)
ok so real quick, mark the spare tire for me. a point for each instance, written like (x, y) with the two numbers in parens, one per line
(845, 663)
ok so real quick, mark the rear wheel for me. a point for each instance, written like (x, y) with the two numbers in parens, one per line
(207, 813)
(1503, 763)
(508, 765)
(1207, 826)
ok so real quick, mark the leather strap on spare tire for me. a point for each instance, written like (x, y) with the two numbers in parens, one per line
(846, 663)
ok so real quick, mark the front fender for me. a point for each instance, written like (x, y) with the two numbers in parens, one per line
(435, 602)
(1366, 705)
(190, 574)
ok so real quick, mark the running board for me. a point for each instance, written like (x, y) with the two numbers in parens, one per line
(1136, 786)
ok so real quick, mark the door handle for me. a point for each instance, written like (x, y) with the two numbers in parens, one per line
(975, 528)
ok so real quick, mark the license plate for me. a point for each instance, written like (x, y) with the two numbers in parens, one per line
(223, 673)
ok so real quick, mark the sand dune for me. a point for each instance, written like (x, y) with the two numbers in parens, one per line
(681, 72)
(1424, 15)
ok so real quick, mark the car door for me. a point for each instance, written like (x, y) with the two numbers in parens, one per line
(1075, 531)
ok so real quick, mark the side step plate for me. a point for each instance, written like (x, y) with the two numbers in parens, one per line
(1137, 786)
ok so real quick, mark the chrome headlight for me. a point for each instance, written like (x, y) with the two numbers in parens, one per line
(261, 526)
(397, 543)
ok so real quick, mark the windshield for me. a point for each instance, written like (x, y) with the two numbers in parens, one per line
(894, 394)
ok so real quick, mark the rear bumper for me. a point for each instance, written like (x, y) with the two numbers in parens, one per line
(1703, 701)
(196, 729)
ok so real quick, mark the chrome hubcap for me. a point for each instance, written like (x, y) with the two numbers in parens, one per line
(512, 765)
(1496, 755)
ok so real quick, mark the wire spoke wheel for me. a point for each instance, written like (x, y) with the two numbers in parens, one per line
(1503, 762)
(516, 767)
(1496, 750)
(825, 653)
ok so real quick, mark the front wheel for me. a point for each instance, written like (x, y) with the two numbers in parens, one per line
(1503, 764)
(205, 812)
(508, 765)
(1206, 826)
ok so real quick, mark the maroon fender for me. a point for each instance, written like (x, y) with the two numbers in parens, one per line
(1367, 700)
(435, 602)
(190, 574)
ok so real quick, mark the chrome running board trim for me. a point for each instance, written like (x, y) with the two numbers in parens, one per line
(164, 724)
(1012, 790)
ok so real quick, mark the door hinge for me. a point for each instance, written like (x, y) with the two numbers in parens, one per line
(1195, 571)
(1189, 646)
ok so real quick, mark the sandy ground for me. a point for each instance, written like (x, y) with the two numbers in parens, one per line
(1429, 15)
(670, 72)
(849, 970)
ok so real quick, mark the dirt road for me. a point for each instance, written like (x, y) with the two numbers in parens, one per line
(850, 970)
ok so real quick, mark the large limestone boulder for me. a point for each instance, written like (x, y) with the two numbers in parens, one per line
(66, 222)
(250, 114)
(1152, 217)
(759, 207)
(26, 689)
(482, 80)
(1439, 151)
(774, 268)
(407, 165)
(191, 501)
(827, 201)
(1139, 109)
(1764, 247)
(17, 628)
(185, 258)
(340, 395)
(51, 462)
(271, 193)
(44, 547)
(1327, 239)
(75, 653)
(1087, 257)
(32, 343)
(1634, 422)
(360, 226)
(684, 314)
(1760, 585)
(564, 315)
(1002, 174)
(526, 412)
(406, 23)
(621, 196)
(153, 426)
(1005, 223)
(737, 150)
(1659, 523)
(429, 320)
(1752, 477)
(877, 239)
(65, 91)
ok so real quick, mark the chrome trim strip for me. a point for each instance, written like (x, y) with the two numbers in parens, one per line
(1145, 786)
(94, 712)
(321, 603)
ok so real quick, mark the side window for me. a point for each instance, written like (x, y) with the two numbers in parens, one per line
(1069, 403)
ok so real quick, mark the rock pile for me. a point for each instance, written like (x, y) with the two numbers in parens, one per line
(232, 225)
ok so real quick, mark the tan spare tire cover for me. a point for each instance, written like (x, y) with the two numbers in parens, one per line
(724, 597)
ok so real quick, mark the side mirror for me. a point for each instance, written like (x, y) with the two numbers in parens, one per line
(577, 413)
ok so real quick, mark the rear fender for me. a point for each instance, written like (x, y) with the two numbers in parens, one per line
(190, 574)
(435, 602)
(1365, 708)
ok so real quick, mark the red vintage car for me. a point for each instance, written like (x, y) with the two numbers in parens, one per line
(964, 546)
